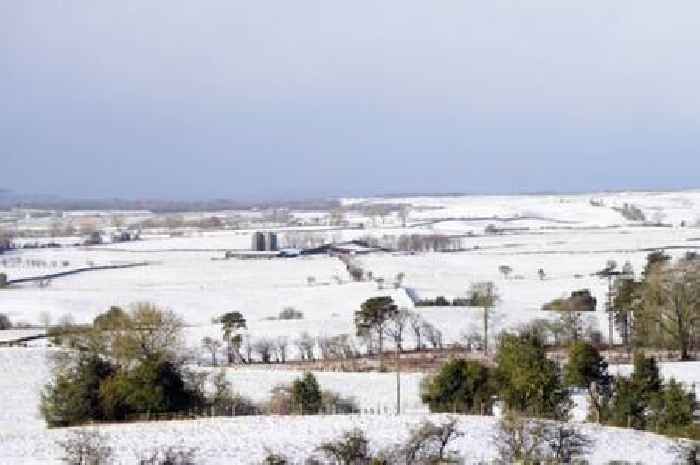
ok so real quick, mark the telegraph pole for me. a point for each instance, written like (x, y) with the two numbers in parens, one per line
(398, 377)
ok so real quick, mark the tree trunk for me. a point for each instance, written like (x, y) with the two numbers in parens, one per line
(486, 330)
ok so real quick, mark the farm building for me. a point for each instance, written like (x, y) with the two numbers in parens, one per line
(264, 241)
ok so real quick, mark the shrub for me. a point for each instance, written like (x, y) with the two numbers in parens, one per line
(528, 441)
(85, 448)
(281, 401)
(351, 449)
(169, 456)
(427, 444)
(460, 386)
(339, 404)
(275, 459)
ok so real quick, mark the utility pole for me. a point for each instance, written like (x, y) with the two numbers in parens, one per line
(611, 313)
(398, 376)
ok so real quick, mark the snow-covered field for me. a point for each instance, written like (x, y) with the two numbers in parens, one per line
(25, 440)
(569, 237)
(371, 391)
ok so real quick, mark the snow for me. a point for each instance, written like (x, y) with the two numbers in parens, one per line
(687, 373)
(371, 391)
(244, 440)
(567, 236)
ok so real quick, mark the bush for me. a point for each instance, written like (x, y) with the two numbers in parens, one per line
(85, 448)
(169, 456)
(427, 444)
(275, 459)
(339, 404)
(528, 441)
(351, 449)
(460, 386)
(224, 401)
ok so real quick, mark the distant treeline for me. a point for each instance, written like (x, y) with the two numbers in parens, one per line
(159, 206)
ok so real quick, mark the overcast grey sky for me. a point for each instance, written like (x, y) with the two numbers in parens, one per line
(225, 98)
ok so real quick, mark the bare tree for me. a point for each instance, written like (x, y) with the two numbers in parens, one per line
(45, 319)
(484, 295)
(520, 440)
(395, 326)
(404, 214)
(213, 346)
(416, 322)
(282, 344)
(432, 335)
(305, 345)
(399, 279)
(264, 347)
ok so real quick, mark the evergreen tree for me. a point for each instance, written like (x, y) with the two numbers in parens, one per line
(587, 369)
(528, 381)
(306, 394)
(73, 397)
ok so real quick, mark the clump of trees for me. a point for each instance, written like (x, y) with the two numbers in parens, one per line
(630, 212)
(125, 365)
(442, 301)
(661, 309)
(644, 401)
(290, 313)
(524, 379)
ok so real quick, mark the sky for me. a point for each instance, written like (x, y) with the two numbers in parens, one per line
(305, 99)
